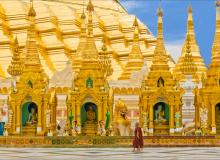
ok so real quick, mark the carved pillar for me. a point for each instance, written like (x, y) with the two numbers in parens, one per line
(100, 111)
(73, 106)
(197, 115)
(69, 108)
(105, 105)
(111, 110)
(44, 108)
(14, 114)
(172, 119)
(39, 115)
(18, 119)
(213, 125)
(53, 116)
(77, 115)
(151, 119)
(143, 109)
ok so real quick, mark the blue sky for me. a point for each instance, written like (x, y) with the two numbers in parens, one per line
(175, 20)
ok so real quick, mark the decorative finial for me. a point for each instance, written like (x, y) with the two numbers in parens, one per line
(135, 22)
(90, 6)
(16, 40)
(159, 12)
(190, 9)
(104, 47)
(16, 66)
(83, 15)
(217, 3)
(31, 12)
(90, 9)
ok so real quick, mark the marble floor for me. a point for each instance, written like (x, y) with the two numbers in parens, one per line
(109, 153)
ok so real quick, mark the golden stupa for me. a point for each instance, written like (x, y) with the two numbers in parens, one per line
(190, 40)
(58, 27)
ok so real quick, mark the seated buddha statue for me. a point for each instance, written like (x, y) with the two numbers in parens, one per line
(32, 117)
(89, 127)
(121, 122)
(160, 114)
(90, 114)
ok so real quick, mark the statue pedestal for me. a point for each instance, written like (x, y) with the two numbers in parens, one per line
(89, 128)
(161, 130)
(29, 130)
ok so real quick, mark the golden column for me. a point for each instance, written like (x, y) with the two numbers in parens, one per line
(100, 110)
(69, 108)
(77, 114)
(213, 125)
(105, 108)
(151, 119)
(39, 124)
(43, 109)
(18, 115)
(172, 119)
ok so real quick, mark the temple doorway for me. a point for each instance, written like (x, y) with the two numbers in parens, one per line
(217, 118)
(161, 118)
(29, 118)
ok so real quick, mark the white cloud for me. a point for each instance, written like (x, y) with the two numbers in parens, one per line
(174, 48)
(132, 5)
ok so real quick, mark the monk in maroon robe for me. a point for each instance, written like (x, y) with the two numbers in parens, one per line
(138, 138)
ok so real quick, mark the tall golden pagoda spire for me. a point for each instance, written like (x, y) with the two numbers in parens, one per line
(159, 85)
(82, 37)
(160, 70)
(90, 52)
(77, 58)
(216, 43)
(194, 53)
(160, 55)
(32, 60)
(90, 9)
(16, 66)
(135, 57)
(32, 73)
(89, 67)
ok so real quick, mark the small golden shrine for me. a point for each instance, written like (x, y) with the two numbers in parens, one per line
(209, 96)
(88, 102)
(29, 98)
(160, 98)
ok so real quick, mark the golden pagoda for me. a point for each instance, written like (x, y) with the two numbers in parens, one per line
(59, 26)
(16, 67)
(195, 52)
(135, 57)
(88, 102)
(188, 67)
(29, 99)
(160, 94)
(82, 42)
(208, 96)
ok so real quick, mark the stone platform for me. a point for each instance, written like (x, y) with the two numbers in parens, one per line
(183, 153)
(108, 142)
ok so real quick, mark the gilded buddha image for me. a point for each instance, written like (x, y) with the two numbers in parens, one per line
(90, 114)
(32, 119)
(160, 114)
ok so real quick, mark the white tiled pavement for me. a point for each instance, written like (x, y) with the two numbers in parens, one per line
(109, 153)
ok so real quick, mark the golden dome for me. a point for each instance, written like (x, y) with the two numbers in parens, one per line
(58, 31)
